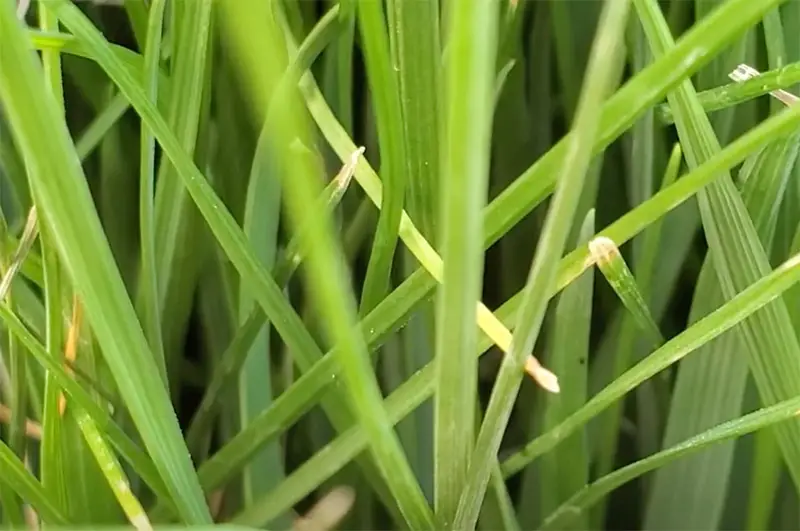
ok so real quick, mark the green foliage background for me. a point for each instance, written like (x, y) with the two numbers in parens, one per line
(329, 254)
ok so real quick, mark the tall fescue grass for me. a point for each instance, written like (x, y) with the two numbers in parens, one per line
(425, 264)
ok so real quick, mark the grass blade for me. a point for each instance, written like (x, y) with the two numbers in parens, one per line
(566, 470)
(72, 220)
(465, 169)
(545, 264)
(735, 311)
(325, 263)
(771, 344)
(386, 96)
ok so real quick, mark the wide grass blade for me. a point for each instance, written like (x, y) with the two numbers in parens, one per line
(769, 340)
(465, 167)
(566, 470)
(710, 387)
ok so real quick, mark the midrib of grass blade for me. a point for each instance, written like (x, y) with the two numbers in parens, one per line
(566, 470)
(735, 93)
(710, 386)
(753, 422)
(176, 223)
(149, 307)
(769, 340)
(596, 84)
(70, 216)
(467, 117)
(389, 119)
(326, 269)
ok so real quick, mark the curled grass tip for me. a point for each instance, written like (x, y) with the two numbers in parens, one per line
(603, 250)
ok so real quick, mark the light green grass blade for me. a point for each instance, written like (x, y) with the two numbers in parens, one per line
(630, 344)
(149, 304)
(610, 262)
(52, 466)
(416, 49)
(566, 470)
(737, 93)
(23, 483)
(770, 342)
(260, 224)
(597, 83)
(71, 218)
(465, 166)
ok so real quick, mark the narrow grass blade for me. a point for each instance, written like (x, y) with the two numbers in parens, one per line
(389, 117)
(176, 224)
(71, 218)
(596, 84)
(610, 262)
(566, 470)
(712, 384)
(465, 168)
(149, 303)
(722, 97)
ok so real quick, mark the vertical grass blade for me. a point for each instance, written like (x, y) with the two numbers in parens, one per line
(465, 166)
(769, 340)
(566, 470)
(149, 300)
(575, 164)
(389, 117)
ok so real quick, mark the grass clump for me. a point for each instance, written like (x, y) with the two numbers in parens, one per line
(407, 264)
